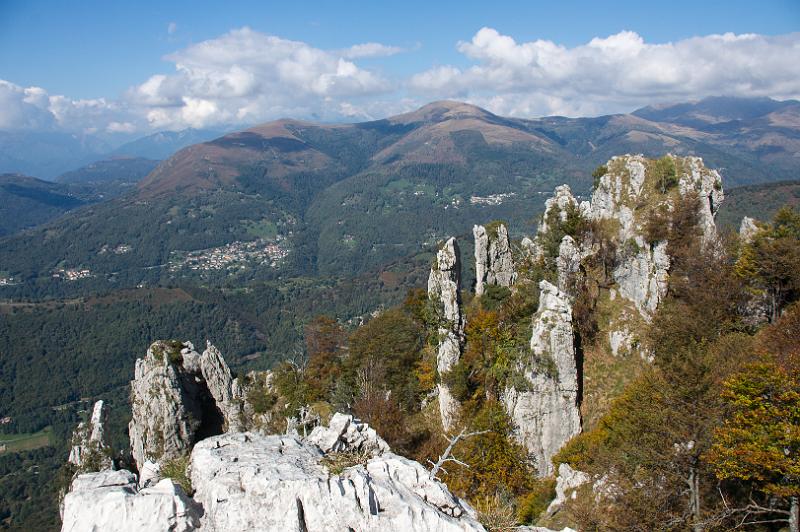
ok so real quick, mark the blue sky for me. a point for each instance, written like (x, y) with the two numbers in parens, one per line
(92, 50)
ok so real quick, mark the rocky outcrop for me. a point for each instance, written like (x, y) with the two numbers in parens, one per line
(248, 481)
(546, 413)
(347, 434)
(342, 477)
(90, 450)
(559, 205)
(707, 184)
(747, 230)
(568, 264)
(223, 388)
(177, 397)
(165, 402)
(493, 261)
(444, 289)
(111, 500)
(642, 268)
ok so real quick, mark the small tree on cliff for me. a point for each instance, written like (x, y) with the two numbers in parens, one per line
(760, 441)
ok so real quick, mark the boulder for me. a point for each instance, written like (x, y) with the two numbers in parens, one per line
(567, 481)
(747, 230)
(345, 433)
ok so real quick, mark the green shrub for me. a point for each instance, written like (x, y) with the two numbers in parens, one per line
(665, 173)
(598, 172)
(177, 470)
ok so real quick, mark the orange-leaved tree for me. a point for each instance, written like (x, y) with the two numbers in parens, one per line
(759, 443)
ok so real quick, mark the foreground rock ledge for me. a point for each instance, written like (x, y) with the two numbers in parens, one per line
(247, 481)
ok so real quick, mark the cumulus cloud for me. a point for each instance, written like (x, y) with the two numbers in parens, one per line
(33, 108)
(614, 73)
(245, 76)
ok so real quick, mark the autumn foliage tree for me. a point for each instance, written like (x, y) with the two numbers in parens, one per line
(760, 440)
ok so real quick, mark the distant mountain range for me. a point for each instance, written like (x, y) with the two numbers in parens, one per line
(346, 198)
(50, 154)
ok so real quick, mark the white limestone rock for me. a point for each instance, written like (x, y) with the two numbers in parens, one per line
(567, 481)
(642, 275)
(568, 263)
(621, 341)
(111, 501)
(90, 449)
(444, 288)
(558, 205)
(248, 481)
(345, 433)
(493, 260)
(546, 414)
(747, 230)
(223, 387)
(707, 184)
(166, 406)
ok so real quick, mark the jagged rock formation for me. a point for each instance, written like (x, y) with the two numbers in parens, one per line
(223, 387)
(178, 396)
(493, 262)
(747, 229)
(347, 434)
(643, 267)
(559, 205)
(111, 500)
(546, 414)
(248, 481)
(444, 289)
(90, 450)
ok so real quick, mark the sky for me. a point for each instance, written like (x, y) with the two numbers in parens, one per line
(136, 67)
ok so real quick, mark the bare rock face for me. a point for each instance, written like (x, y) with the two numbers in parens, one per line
(166, 404)
(90, 450)
(347, 434)
(707, 184)
(444, 287)
(642, 268)
(546, 414)
(248, 481)
(493, 261)
(177, 397)
(223, 387)
(111, 500)
(747, 230)
(567, 481)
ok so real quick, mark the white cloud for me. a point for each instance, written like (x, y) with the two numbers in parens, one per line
(246, 77)
(615, 73)
(22, 108)
(172, 27)
(370, 49)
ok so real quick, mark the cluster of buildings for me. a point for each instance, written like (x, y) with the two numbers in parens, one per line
(236, 255)
(493, 199)
(72, 274)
